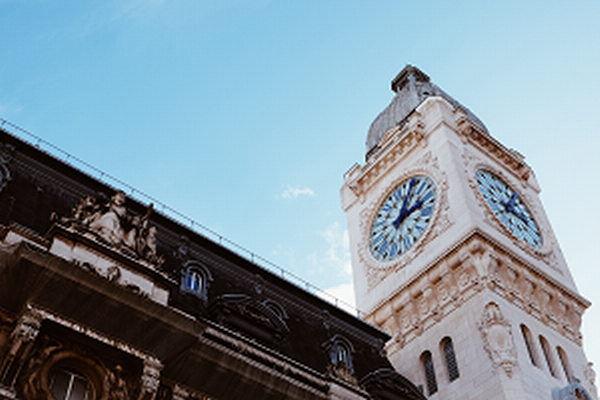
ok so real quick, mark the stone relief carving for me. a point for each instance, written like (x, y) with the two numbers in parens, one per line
(110, 222)
(546, 253)
(498, 339)
(376, 270)
(118, 387)
(150, 380)
(21, 341)
(476, 265)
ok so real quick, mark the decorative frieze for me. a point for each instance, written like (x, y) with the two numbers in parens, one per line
(475, 265)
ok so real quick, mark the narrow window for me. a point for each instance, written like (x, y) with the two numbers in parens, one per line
(450, 357)
(427, 362)
(565, 363)
(529, 345)
(548, 356)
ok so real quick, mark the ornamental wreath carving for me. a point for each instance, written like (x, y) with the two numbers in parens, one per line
(109, 222)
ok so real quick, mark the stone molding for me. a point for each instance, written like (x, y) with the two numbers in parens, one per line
(476, 264)
(395, 144)
(375, 270)
(470, 132)
(546, 253)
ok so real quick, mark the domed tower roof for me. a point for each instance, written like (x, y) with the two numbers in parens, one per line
(412, 87)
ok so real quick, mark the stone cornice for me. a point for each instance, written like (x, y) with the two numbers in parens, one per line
(475, 134)
(396, 143)
(475, 264)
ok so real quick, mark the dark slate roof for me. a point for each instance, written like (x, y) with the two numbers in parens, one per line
(412, 87)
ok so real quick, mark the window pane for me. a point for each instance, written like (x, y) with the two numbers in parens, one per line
(59, 384)
(79, 388)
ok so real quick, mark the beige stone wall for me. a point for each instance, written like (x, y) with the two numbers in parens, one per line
(465, 260)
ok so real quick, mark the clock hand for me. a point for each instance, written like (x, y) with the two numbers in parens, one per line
(413, 208)
(510, 207)
(402, 215)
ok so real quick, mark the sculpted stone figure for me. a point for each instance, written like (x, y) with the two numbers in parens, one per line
(108, 225)
(111, 222)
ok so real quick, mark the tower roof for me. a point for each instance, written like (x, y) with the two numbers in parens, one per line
(412, 86)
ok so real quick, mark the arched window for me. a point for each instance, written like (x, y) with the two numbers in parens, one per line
(340, 353)
(548, 356)
(529, 345)
(565, 363)
(195, 279)
(450, 358)
(66, 384)
(427, 363)
(277, 309)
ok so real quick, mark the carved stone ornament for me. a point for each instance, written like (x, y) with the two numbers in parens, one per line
(21, 342)
(376, 270)
(150, 379)
(498, 339)
(546, 252)
(109, 222)
(51, 355)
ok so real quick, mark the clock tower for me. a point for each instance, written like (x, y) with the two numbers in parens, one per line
(453, 255)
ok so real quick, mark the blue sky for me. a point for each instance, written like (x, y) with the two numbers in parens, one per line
(244, 115)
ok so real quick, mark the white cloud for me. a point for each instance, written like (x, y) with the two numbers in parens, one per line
(338, 253)
(341, 296)
(292, 193)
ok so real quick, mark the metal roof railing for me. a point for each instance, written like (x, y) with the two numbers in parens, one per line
(161, 207)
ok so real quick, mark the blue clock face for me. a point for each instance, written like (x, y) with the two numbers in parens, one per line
(402, 218)
(509, 208)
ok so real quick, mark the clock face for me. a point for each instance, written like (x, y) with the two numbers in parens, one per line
(402, 218)
(509, 208)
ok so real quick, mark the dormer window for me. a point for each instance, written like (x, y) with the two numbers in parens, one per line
(340, 353)
(195, 279)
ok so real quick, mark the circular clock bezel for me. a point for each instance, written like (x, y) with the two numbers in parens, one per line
(511, 210)
(410, 197)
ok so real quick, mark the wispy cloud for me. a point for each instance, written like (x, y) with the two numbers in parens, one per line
(338, 253)
(293, 193)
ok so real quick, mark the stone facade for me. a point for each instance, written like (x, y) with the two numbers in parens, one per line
(470, 287)
(103, 298)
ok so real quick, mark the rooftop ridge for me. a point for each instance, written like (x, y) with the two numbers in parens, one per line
(159, 206)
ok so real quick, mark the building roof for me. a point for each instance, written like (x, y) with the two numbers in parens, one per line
(412, 87)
